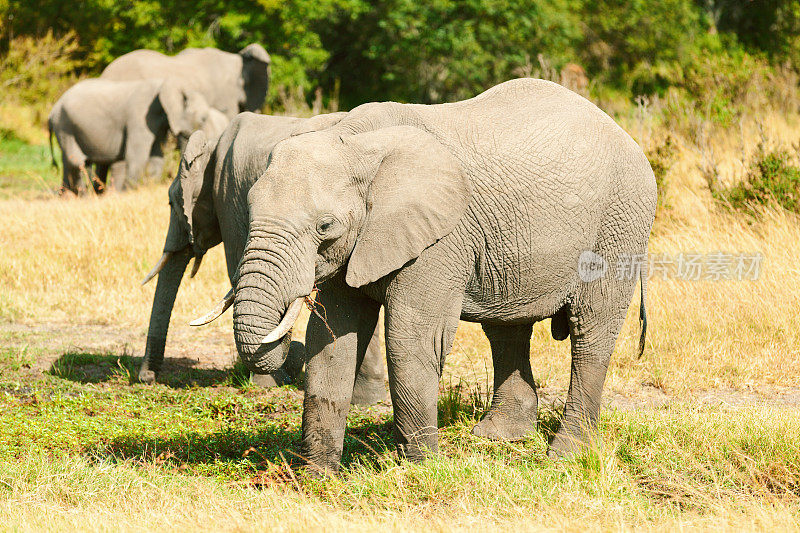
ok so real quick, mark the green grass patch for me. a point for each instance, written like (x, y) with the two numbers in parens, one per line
(83, 435)
(26, 169)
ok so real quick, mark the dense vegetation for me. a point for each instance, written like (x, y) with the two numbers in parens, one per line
(433, 51)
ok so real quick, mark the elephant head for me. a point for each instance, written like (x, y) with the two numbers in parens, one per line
(193, 229)
(335, 201)
(184, 110)
(255, 75)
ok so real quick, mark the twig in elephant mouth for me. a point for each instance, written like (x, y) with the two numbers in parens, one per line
(312, 306)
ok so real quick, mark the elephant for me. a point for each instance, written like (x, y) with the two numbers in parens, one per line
(480, 210)
(208, 205)
(229, 82)
(101, 122)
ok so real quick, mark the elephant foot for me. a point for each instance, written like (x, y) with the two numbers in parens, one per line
(497, 425)
(147, 377)
(368, 392)
(566, 445)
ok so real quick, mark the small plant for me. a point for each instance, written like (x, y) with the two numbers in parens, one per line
(772, 179)
(662, 157)
(458, 403)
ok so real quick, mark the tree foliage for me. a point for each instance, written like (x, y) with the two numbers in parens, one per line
(432, 51)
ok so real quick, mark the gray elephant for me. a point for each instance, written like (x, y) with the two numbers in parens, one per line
(229, 82)
(99, 122)
(478, 210)
(208, 200)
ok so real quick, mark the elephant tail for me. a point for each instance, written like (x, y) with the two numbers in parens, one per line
(643, 309)
(50, 137)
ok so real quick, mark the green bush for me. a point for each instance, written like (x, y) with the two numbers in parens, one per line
(773, 179)
(35, 71)
(661, 157)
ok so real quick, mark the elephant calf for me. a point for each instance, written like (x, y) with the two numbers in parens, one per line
(478, 210)
(99, 122)
(208, 205)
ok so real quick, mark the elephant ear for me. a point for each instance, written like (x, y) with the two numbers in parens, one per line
(318, 123)
(185, 192)
(255, 77)
(255, 52)
(417, 196)
(173, 100)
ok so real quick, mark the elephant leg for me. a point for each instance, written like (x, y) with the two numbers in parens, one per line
(513, 413)
(72, 160)
(155, 164)
(370, 386)
(137, 151)
(118, 170)
(101, 177)
(70, 179)
(596, 316)
(418, 338)
(331, 365)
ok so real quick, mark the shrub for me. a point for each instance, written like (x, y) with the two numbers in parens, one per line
(773, 179)
(35, 71)
(661, 157)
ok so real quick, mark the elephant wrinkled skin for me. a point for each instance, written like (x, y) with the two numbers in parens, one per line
(476, 210)
(208, 205)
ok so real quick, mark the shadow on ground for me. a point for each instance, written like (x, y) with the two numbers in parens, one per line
(229, 451)
(86, 367)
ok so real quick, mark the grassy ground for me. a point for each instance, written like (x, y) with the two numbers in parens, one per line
(701, 432)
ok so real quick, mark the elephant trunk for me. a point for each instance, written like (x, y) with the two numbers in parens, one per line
(255, 315)
(169, 280)
(268, 300)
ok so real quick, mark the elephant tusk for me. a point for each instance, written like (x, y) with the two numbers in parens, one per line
(196, 266)
(212, 315)
(286, 322)
(158, 267)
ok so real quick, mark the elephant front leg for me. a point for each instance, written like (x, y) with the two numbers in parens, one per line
(513, 413)
(331, 364)
(417, 342)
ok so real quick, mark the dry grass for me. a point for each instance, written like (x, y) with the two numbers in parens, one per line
(80, 261)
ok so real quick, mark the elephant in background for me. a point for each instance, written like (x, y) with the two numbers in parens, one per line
(99, 122)
(208, 205)
(479, 210)
(229, 82)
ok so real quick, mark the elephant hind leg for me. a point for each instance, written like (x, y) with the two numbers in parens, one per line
(596, 316)
(100, 178)
(370, 385)
(513, 413)
(72, 161)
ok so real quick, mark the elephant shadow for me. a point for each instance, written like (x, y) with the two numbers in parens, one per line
(178, 373)
(250, 451)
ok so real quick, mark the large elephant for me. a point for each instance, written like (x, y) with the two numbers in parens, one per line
(478, 210)
(229, 82)
(208, 200)
(99, 122)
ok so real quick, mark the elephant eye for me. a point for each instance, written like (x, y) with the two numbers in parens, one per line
(325, 224)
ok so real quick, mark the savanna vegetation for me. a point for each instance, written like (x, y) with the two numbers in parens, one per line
(700, 432)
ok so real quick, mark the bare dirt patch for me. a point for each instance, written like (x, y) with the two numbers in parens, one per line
(213, 351)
